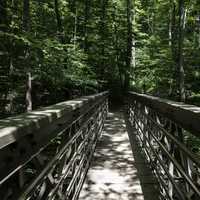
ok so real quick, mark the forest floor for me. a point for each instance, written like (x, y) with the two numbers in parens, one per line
(118, 170)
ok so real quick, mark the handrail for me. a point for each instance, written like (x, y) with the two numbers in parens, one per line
(188, 116)
(12, 128)
(162, 127)
(45, 154)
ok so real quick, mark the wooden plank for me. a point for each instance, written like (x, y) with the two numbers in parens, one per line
(116, 172)
(23, 136)
(187, 116)
(13, 128)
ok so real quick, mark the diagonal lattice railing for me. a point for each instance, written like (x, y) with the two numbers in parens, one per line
(45, 154)
(169, 134)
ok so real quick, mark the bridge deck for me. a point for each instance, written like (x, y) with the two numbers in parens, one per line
(118, 170)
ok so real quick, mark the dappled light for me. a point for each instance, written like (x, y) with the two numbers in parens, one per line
(65, 65)
(53, 145)
(83, 152)
(116, 172)
(12, 128)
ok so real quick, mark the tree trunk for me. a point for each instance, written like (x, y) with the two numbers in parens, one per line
(4, 89)
(75, 28)
(28, 92)
(59, 22)
(172, 30)
(87, 13)
(26, 28)
(130, 58)
(74, 11)
(103, 35)
(172, 44)
(181, 73)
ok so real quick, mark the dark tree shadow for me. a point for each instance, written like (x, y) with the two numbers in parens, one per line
(149, 183)
(116, 172)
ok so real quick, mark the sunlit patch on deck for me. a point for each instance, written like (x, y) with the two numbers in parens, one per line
(117, 173)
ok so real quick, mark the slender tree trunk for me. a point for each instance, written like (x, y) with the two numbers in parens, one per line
(116, 45)
(59, 22)
(4, 89)
(87, 13)
(129, 45)
(74, 10)
(181, 73)
(75, 28)
(130, 58)
(26, 28)
(172, 43)
(103, 35)
(172, 28)
(133, 51)
(28, 92)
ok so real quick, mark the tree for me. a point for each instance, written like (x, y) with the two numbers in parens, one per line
(86, 19)
(119, 45)
(181, 72)
(130, 60)
(59, 22)
(26, 28)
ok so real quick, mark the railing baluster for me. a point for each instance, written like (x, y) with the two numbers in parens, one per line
(162, 134)
(60, 143)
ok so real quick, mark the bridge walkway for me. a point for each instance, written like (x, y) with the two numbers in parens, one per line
(118, 170)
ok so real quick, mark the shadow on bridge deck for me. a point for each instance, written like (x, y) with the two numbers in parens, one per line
(118, 170)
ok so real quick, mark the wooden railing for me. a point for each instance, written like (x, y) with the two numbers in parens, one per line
(168, 132)
(45, 154)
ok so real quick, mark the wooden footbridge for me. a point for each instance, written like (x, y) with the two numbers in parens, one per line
(79, 150)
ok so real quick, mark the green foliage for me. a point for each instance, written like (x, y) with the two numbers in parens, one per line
(82, 45)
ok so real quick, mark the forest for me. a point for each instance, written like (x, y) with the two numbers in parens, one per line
(54, 50)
